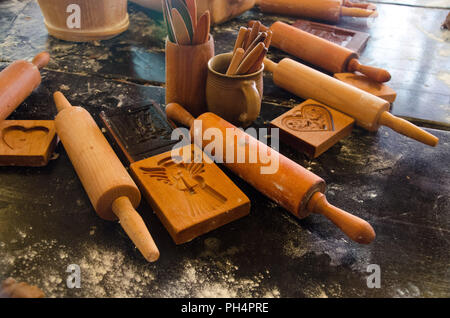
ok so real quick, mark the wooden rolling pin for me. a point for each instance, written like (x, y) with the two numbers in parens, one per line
(368, 110)
(18, 80)
(292, 186)
(328, 10)
(110, 188)
(320, 52)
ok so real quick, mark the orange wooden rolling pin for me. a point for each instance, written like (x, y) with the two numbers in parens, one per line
(368, 110)
(292, 186)
(110, 188)
(328, 10)
(320, 52)
(18, 80)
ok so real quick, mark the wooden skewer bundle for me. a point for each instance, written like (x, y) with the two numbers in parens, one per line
(250, 48)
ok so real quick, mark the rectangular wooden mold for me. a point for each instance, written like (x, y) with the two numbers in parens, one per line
(27, 142)
(352, 40)
(313, 127)
(190, 199)
(366, 84)
(140, 132)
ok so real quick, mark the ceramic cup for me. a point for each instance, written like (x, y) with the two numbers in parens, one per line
(236, 98)
(186, 71)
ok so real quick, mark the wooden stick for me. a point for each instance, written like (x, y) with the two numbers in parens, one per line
(257, 65)
(268, 39)
(260, 38)
(250, 60)
(240, 38)
(235, 61)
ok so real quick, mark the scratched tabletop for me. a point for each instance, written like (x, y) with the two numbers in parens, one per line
(398, 185)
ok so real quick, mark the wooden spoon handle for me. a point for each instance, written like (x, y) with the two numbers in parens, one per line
(177, 113)
(135, 228)
(354, 227)
(377, 74)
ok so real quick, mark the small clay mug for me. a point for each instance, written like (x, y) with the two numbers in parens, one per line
(236, 98)
(186, 71)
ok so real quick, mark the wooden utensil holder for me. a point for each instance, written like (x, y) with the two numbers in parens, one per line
(186, 72)
(100, 19)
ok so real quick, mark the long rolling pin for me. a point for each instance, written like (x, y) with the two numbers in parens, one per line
(328, 10)
(320, 52)
(292, 186)
(370, 111)
(18, 80)
(110, 188)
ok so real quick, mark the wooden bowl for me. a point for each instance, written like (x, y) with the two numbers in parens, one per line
(100, 19)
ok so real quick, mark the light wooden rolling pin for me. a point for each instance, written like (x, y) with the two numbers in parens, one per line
(369, 111)
(110, 188)
(18, 80)
(328, 10)
(320, 52)
(291, 186)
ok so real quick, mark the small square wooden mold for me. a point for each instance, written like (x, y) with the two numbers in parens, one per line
(312, 127)
(27, 142)
(366, 84)
(192, 198)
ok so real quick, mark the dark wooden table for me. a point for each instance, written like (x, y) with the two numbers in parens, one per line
(400, 186)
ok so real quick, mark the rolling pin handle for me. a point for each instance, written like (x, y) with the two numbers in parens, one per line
(61, 101)
(41, 60)
(408, 129)
(177, 113)
(354, 227)
(375, 73)
(135, 228)
(358, 12)
(269, 65)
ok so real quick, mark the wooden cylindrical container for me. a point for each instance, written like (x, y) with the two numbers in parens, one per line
(102, 174)
(186, 72)
(98, 19)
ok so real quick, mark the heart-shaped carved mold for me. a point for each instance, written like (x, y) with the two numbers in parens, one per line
(16, 137)
(310, 118)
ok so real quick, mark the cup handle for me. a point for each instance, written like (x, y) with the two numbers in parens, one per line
(252, 98)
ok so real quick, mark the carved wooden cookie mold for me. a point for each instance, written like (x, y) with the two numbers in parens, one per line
(190, 198)
(26, 142)
(313, 127)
